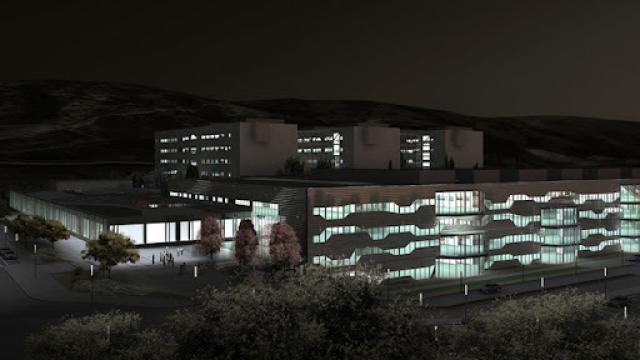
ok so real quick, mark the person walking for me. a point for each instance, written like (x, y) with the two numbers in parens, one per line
(153, 259)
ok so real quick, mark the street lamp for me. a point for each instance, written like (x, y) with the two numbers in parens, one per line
(195, 272)
(92, 294)
(420, 297)
(605, 282)
(542, 284)
(35, 260)
(466, 298)
(6, 235)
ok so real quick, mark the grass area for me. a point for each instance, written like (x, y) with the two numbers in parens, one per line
(45, 254)
(79, 281)
(453, 287)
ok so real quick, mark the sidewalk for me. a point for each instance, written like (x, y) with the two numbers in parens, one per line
(506, 276)
(42, 286)
(590, 277)
(38, 282)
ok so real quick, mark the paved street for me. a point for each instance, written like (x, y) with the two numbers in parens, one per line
(448, 309)
(21, 315)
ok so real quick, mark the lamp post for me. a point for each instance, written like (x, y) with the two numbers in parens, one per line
(195, 272)
(6, 235)
(542, 284)
(605, 282)
(92, 295)
(466, 299)
(420, 297)
(35, 260)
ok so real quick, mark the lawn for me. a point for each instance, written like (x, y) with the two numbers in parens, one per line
(80, 281)
(454, 286)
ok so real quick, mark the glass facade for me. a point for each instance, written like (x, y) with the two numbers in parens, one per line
(341, 212)
(473, 233)
(558, 217)
(82, 225)
(457, 202)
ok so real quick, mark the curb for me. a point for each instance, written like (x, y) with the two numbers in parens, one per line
(528, 292)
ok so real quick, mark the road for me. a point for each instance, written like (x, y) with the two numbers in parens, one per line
(21, 315)
(622, 286)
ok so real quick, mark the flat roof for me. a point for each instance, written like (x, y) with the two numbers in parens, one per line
(133, 206)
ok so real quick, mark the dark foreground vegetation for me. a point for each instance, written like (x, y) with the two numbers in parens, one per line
(319, 315)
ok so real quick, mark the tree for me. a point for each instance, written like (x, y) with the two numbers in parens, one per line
(192, 172)
(113, 335)
(30, 227)
(246, 243)
(403, 160)
(284, 315)
(284, 247)
(54, 231)
(137, 181)
(111, 249)
(563, 325)
(324, 164)
(293, 167)
(211, 239)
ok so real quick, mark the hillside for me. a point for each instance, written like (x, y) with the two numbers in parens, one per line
(63, 121)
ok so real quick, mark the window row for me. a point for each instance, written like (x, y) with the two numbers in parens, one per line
(341, 212)
(457, 202)
(375, 233)
(216, 148)
(222, 161)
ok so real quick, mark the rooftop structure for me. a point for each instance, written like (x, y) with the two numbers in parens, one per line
(364, 146)
(457, 147)
(226, 150)
(144, 216)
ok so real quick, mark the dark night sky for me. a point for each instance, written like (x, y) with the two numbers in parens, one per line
(480, 57)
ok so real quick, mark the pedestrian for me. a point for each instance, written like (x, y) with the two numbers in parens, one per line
(153, 259)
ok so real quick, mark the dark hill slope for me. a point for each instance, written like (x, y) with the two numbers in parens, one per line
(67, 121)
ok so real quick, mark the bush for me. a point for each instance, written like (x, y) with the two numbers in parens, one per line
(113, 335)
(77, 271)
(324, 315)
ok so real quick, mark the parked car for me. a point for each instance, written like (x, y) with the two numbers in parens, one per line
(491, 289)
(9, 256)
(635, 258)
(6, 251)
(619, 302)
